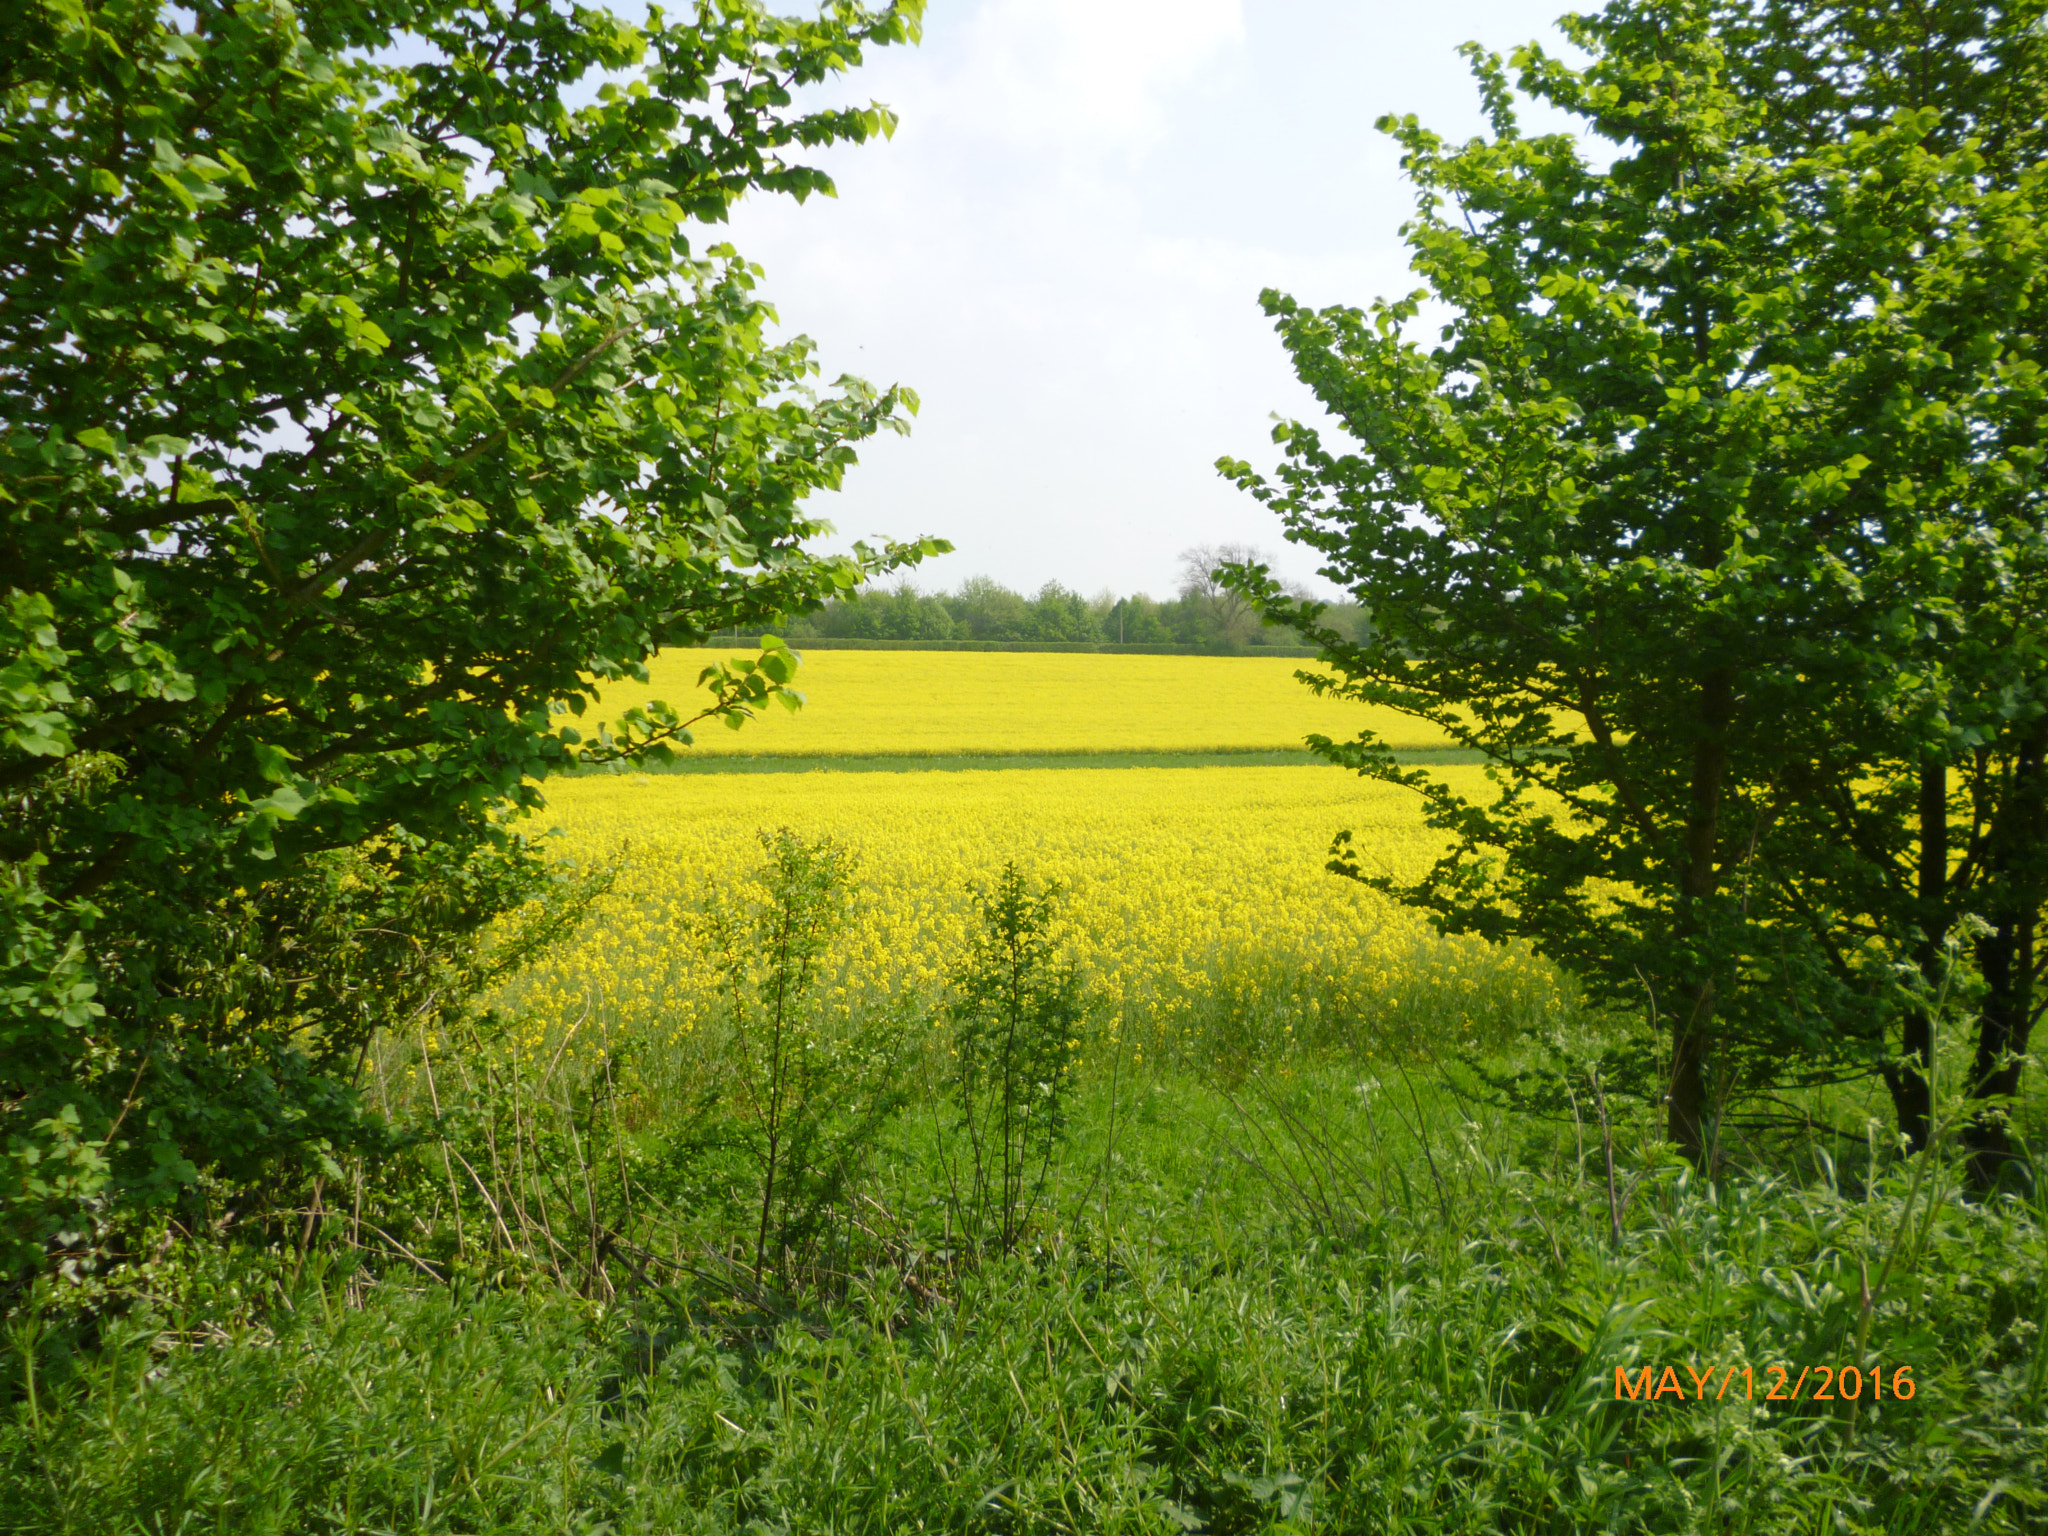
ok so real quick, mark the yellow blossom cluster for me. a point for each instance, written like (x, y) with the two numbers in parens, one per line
(1199, 904)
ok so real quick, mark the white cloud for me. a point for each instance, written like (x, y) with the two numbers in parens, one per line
(1063, 247)
(1080, 73)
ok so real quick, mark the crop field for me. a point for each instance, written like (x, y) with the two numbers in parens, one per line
(918, 703)
(1189, 887)
(1198, 904)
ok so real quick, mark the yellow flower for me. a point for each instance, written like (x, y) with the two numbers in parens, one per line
(1198, 895)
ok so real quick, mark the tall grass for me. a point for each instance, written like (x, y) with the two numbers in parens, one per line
(1331, 1301)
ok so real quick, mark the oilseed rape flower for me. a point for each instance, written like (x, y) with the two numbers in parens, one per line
(931, 702)
(1200, 908)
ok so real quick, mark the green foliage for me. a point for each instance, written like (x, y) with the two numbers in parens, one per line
(1017, 1017)
(986, 611)
(289, 980)
(1137, 621)
(1427, 1344)
(365, 406)
(809, 1092)
(899, 614)
(1955, 402)
(1060, 614)
(1704, 519)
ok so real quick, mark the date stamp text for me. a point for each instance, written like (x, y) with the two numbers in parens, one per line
(1773, 1384)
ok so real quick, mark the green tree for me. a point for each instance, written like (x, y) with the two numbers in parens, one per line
(1060, 614)
(364, 405)
(985, 609)
(900, 613)
(1135, 621)
(1956, 396)
(1654, 526)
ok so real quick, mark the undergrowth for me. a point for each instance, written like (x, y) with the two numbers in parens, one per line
(1315, 1302)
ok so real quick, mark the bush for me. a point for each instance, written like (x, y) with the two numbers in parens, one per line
(1017, 1018)
(807, 1099)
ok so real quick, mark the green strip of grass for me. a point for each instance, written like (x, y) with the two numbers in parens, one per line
(960, 762)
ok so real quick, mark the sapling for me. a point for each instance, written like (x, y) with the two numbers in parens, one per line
(1017, 1014)
(811, 1093)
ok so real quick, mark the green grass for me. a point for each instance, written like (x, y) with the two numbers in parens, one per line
(1328, 1300)
(960, 762)
(1276, 1283)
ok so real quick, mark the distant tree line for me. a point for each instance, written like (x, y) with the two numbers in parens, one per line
(1201, 612)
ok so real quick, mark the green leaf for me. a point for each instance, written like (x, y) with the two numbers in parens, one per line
(273, 761)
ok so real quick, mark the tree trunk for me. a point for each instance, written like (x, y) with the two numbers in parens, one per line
(1687, 1107)
(1687, 1102)
(1911, 1080)
(2005, 957)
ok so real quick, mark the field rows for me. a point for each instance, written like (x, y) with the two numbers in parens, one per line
(915, 703)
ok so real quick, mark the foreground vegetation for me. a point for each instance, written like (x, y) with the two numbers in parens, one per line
(883, 1233)
(1313, 1303)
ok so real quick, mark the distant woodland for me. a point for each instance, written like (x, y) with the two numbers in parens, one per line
(1201, 612)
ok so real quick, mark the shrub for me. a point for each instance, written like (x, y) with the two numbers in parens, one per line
(807, 1098)
(1017, 1016)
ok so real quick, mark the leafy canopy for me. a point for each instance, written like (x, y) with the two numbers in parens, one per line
(365, 402)
(1673, 521)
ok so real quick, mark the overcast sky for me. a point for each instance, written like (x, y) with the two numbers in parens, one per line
(1062, 249)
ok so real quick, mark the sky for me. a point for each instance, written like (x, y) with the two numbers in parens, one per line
(1062, 249)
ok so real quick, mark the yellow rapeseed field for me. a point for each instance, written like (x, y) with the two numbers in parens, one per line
(937, 702)
(1199, 900)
